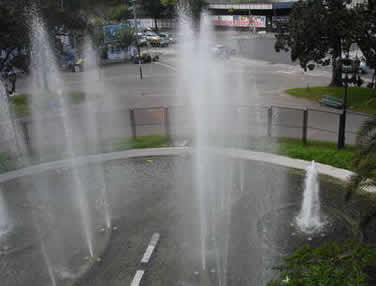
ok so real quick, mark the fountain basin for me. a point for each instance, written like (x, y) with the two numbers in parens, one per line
(158, 196)
(279, 231)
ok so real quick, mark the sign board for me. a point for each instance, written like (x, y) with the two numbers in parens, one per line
(240, 21)
(111, 32)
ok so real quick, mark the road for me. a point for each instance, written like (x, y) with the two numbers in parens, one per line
(263, 74)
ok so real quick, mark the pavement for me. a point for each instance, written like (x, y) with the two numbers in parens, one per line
(263, 74)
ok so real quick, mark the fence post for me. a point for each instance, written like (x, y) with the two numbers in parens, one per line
(341, 131)
(25, 132)
(270, 120)
(133, 123)
(305, 126)
(167, 122)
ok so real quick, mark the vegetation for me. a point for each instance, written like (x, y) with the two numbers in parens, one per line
(364, 164)
(365, 31)
(318, 28)
(13, 35)
(20, 102)
(351, 263)
(358, 98)
(322, 152)
(150, 141)
(5, 163)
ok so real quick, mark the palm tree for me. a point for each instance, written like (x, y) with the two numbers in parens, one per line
(364, 164)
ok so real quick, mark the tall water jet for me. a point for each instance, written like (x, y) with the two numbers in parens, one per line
(309, 219)
(203, 79)
(93, 87)
(49, 100)
(4, 218)
(7, 133)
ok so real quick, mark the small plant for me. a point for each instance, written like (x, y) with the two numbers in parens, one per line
(351, 263)
(150, 141)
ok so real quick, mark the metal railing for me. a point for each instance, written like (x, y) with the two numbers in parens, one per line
(252, 121)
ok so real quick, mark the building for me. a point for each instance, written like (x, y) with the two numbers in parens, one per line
(256, 14)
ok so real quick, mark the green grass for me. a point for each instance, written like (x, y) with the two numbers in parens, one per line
(20, 102)
(322, 152)
(359, 98)
(19, 105)
(5, 163)
(150, 141)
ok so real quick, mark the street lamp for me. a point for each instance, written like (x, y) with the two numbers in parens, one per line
(136, 32)
(348, 66)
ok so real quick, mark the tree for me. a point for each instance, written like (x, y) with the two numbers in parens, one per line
(126, 38)
(119, 13)
(316, 29)
(14, 37)
(333, 264)
(364, 165)
(365, 31)
(153, 8)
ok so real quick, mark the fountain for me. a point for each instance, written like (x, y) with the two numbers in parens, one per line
(309, 218)
(233, 207)
(92, 84)
(4, 219)
(205, 80)
(48, 89)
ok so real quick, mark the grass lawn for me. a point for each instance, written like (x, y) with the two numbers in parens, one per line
(21, 107)
(150, 141)
(359, 98)
(322, 152)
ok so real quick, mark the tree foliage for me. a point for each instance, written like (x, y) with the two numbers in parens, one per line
(316, 29)
(365, 31)
(13, 33)
(364, 165)
(351, 263)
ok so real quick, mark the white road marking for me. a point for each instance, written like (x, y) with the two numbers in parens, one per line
(165, 65)
(137, 278)
(149, 250)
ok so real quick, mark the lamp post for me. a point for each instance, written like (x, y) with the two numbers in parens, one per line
(347, 66)
(136, 32)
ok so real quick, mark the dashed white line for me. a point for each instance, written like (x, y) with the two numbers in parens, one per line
(165, 65)
(149, 250)
(137, 278)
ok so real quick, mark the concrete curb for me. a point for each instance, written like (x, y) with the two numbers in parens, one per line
(323, 169)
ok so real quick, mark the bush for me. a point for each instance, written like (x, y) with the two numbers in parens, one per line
(351, 263)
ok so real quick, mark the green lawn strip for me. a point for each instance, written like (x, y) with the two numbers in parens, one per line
(322, 152)
(6, 164)
(21, 107)
(150, 141)
(359, 98)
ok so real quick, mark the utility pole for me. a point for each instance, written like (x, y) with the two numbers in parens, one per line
(136, 32)
(342, 122)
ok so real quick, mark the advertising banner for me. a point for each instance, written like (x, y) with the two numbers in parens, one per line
(111, 32)
(240, 21)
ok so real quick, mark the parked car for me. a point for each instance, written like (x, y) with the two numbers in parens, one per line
(79, 65)
(223, 52)
(165, 36)
(66, 62)
(152, 38)
(141, 40)
(350, 64)
(146, 57)
(363, 66)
